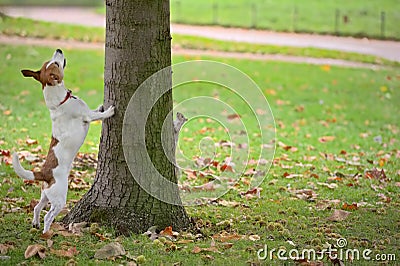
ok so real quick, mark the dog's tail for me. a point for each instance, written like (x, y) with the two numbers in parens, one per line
(19, 170)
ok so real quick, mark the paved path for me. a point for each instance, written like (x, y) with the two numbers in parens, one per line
(87, 16)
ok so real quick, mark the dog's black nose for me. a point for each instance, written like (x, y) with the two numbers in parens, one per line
(59, 51)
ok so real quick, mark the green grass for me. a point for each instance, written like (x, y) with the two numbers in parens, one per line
(309, 16)
(354, 18)
(51, 3)
(308, 102)
(38, 29)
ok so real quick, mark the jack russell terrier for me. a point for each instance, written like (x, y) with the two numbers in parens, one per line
(70, 118)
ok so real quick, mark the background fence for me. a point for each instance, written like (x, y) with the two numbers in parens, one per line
(376, 19)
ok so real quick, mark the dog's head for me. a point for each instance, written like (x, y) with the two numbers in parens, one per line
(52, 71)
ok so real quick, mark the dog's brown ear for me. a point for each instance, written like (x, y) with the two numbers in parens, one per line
(30, 73)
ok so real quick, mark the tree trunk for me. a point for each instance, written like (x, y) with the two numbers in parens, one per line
(138, 44)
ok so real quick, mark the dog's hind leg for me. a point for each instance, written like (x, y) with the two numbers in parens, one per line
(38, 208)
(55, 209)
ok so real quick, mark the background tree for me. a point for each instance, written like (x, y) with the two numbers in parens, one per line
(138, 44)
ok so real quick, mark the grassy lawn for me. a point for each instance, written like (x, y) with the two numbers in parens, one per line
(353, 18)
(38, 29)
(334, 127)
(51, 3)
(341, 17)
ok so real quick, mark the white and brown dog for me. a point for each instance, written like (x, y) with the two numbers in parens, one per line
(70, 118)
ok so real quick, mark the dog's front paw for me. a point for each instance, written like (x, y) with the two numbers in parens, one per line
(100, 109)
(110, 111)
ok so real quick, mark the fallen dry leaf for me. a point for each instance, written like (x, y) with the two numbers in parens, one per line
(225, 236)
(4, 248)
(70, 253)
(305, 194)
(325, 139)
(338, 215)
(349, 207)
(326, 68)
(254, 237)
(226, 203)
(376, 174)
(76, 228)
(197, 249)
(49, 234)
(227, 168)
(31, 141)
(167, 231)
(328, 185)
(251, 193)
(289, 176)
(110, 250)
(7, 112)
(233, 116)
(33, 250)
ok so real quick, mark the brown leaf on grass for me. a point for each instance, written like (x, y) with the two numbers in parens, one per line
(339, 215)
(226, 203)
(6, 157)
(101, 237)
(33, 250)
(76, 183)
(225, 143)
(70, 253)
(225, 237)
(305, 194)
(326, 68)
(209, 186)
(7, 112)
(76, 228)
(328, 185)
(110, 250)
(325, 139)
(233, 116)
(59, 229)
(4, 248)
(226, 168)
(289, 176)
(32, 205)
(326, 204)
(254, 237)
(384, 198)
(48, 235)
(198, 249)
(49, 243)
(287, 147)
(349, 207)
(168, 232)
(376, 174)
(252, 193)
(306, 262)
(5, 153)
(30, 141)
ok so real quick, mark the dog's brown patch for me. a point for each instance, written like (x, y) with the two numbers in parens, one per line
(46, 174)
(51, 75)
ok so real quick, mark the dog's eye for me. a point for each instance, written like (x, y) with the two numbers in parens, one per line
(56, 63)
(65, 62)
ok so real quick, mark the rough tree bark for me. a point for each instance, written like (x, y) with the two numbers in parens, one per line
(138, 44)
